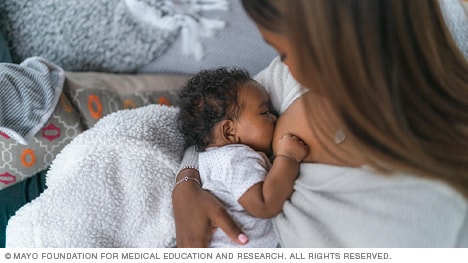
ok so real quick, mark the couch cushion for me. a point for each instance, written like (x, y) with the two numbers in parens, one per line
(86, 97)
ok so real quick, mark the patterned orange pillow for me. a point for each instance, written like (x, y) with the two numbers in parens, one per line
(86, 98)
(97, 94)
(22, 161)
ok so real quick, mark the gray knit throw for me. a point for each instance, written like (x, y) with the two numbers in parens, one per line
(92, 35)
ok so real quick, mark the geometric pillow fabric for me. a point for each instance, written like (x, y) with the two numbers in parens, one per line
(86, 98)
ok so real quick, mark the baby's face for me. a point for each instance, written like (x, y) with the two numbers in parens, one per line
(256, 124)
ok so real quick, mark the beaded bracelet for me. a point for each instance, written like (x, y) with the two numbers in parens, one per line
(186, 179)
(186, 167)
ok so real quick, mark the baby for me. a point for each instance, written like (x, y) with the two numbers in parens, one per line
(226, 115)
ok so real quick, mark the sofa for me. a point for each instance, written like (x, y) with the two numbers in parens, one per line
(128, 58)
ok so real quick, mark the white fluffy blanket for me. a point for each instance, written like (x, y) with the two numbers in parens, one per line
(110, 187)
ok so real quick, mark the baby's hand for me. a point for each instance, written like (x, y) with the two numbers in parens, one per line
(293, 147)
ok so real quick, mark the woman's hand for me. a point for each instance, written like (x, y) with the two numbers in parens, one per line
(198, 213)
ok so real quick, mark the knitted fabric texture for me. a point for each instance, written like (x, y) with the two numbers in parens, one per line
(104, 35)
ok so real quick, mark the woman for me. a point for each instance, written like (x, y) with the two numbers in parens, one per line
(386, 77)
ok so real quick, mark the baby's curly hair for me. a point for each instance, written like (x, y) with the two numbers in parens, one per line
(207, 98)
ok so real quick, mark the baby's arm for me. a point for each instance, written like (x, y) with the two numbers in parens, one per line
(266, 199)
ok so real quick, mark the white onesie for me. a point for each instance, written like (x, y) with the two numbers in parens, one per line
(228, 172)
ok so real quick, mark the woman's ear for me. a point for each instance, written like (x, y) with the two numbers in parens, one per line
(228, 131)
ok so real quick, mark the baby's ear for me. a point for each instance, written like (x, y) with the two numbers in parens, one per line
(228, 131)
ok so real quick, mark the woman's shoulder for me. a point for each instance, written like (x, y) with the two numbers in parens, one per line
(280, 84)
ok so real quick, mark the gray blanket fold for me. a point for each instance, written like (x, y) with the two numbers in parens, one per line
(100, 35)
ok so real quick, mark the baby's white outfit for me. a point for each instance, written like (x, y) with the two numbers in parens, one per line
(228, 172)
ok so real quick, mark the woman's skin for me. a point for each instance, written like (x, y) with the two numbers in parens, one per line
(320, 138)
(323, 148)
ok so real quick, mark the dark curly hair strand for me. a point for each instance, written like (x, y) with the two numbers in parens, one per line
(207, 98)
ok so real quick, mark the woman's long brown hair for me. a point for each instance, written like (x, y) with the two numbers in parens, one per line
(392, 72)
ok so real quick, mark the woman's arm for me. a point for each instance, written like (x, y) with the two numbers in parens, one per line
(197, 212)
